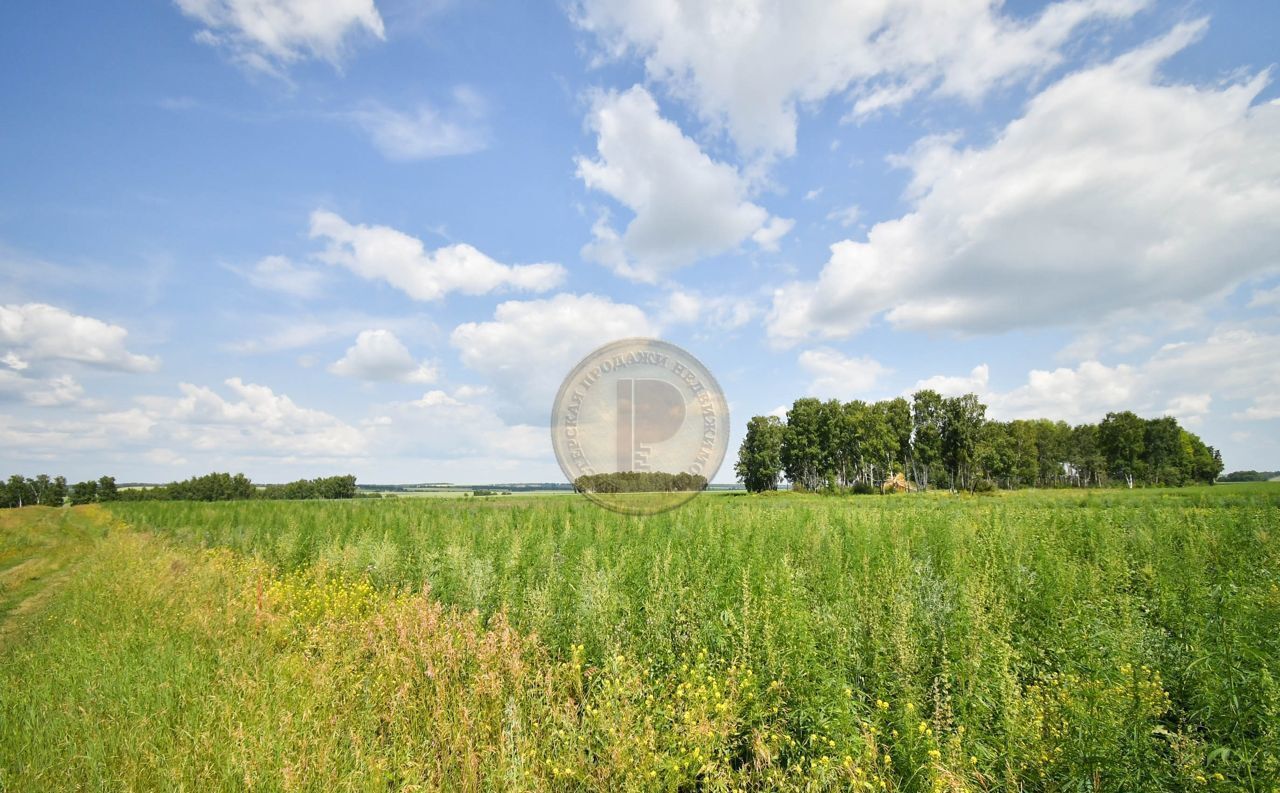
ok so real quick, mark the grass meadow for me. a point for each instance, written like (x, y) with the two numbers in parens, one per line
(1034, 641)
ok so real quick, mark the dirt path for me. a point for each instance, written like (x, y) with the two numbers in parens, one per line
(39, 549)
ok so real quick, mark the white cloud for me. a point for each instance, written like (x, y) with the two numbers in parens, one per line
(164, 457)
(687, 206)
(42, 392)
(35, 332)
(385, 254)
(426, 131)
(768, 235)
(60, 390)
(441, 426)
(837, 375)
(1264, 408)
(1084, 393)
(749, 64)
(15, 363)
(1114, 192)
(530, 346)
(255, 422)
(1183, 380)
(53, 439)
(974, 383)
(269, 35)
(296, 331)
(1074, 395)
(379, 355)
(279, 274)
(719, 313)
(846, 216)
(1189, 409)
(1263, 298)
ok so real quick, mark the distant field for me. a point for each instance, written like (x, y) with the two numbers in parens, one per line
(1032, 641)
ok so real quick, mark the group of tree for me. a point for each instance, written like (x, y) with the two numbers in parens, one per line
(1250, 476)
(639, 482)
(20, 491)
(238, 487)
(948, 441)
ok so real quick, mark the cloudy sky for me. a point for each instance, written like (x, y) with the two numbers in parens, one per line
(303, 237)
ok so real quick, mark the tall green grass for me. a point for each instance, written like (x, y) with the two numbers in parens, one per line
(1034, 641)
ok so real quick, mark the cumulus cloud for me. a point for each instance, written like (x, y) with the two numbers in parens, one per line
(382, 253)
(1264, 298)
(441, 426)
(845, 216)
(255, 421)
(379, 355)
(712, 313)
(687, 205)
(1190, 409)
(1114, 192)
(269, 35)
(1182, 379)
(957, 385)
(837, 375)
(279, 274)
(747, 65)
(42, 392)
(426, 131)
(36, 332)
(1083, 393)
(528, 347)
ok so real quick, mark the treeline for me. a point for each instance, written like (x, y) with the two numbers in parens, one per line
(1250, 476)
(639, 482)
(948, 441)
(238, 487)
(19, 491)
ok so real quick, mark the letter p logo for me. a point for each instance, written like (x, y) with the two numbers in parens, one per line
(649, 412)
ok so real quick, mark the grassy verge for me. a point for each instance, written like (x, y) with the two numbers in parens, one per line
(1048, 641)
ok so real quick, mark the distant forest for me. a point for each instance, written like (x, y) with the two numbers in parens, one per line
(933, 441)
(228, 487)
(639, 482)
(20, 491)
(1250, 476)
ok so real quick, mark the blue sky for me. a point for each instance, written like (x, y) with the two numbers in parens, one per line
(294, 238)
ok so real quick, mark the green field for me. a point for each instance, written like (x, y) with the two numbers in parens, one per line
(1052, 640)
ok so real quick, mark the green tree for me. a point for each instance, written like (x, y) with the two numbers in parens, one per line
(897, 415)
(84, 492)
(1121, 436)
(803, 446)
(995, 452)
(879, 444)
(926, 435)
(760, 457)
(107, 489)
(962, 418)
(58, 491)
(19, 491)
(40, 487)
(852, 441)
(1162, 445)
(1084, 457)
